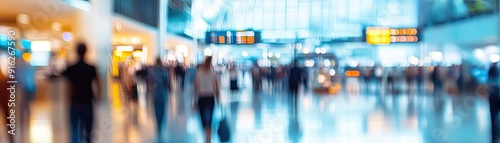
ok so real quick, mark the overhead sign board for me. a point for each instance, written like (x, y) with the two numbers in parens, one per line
(385, 35)
(233, 37)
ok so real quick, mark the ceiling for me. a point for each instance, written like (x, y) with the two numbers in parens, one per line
(51, 11)
(321, 18)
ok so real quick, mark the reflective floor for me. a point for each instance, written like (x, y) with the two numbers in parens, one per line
(265, 118)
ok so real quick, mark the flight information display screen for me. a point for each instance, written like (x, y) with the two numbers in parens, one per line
(233, 37)
(385, 35)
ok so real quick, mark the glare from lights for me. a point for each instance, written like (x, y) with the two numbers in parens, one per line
(67, 36)
(264, 55)
(413, 60)
(321, 78)
(277, 55)
(491, 49)
(171, 57)
(44, 46)
(207, 52)
(494, 58)
(23, 19)
(332, 72)
(436, 56)
(327, 63)
(135, 40)
(244, 54)
(323, 50)
(124, 48)
(137, 54)
(41, 130)
(118, 53)
(27, 57)
(478, 53)
(317, 50)
(309, 63)
(56, 26)
(270, 54)
(305, 51)
(183, 49)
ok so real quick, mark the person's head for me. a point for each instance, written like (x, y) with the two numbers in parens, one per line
(208, 63)
(81, 50)
(158, 61)
(294, 63)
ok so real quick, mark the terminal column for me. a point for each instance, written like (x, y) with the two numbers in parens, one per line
(162, 28)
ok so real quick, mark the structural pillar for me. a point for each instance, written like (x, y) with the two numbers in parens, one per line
(162, 28)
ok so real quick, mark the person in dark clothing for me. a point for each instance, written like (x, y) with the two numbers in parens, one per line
(180, 73)
(80, 77)
(159, 77)
(493, 72)
(436, 79)
(494, 101)
(295, 77)
(420, 78)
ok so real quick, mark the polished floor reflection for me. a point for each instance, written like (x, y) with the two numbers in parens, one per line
(266, 118)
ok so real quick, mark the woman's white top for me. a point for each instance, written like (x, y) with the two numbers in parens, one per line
(206, 82)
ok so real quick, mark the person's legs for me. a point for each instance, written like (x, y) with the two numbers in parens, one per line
(293, 99)
(494, 109)
(75, 124)
(206, 109)
(160, 114)
(88, 122)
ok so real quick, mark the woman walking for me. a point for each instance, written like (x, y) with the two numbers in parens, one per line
(207, 91)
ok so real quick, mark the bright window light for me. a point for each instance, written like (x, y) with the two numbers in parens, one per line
(124, 48)
(41, 46)
(244, 54)
(436, 56)
(494, 58)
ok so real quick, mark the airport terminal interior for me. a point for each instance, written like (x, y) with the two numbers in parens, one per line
(249, 71)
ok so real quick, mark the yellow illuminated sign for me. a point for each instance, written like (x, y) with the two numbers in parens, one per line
(384, 35)
(378, 35)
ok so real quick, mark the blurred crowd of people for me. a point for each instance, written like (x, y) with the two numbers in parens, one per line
(161, 78)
